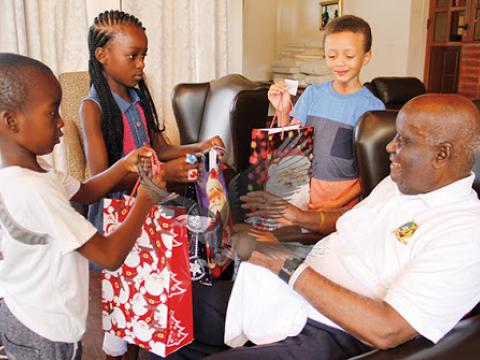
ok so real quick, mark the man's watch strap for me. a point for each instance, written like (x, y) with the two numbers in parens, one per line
(289, 267)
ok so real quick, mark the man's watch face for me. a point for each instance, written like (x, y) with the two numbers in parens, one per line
(291, 264)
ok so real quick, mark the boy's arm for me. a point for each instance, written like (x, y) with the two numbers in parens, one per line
(109, 252)
(323, 222)
(97, 186)
(280, 99)
(352, 193)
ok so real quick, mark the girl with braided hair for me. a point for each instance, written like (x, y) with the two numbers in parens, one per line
(119, 114)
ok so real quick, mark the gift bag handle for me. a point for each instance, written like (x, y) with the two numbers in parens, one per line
(275, 117)
(155, 169)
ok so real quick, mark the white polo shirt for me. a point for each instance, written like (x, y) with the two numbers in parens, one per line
(43, 280)
(432, 278)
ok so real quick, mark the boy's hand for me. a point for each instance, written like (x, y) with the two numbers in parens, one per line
(140, 155)
(148, 188)
(206, 145)
(279, 97)
(179, 170)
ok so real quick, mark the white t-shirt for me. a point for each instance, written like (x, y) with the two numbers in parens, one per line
(43, 280)
(431, 278)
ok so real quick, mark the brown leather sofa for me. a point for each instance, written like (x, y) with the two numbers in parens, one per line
(396, 91)
(230, 106)
(373, 131)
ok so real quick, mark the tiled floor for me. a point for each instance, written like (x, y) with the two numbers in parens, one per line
(92, 341)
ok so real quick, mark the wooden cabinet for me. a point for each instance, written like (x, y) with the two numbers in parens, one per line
(453, 27)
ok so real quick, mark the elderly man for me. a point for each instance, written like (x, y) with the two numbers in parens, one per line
(403, 262)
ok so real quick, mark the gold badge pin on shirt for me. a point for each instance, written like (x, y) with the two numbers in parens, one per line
(405, 232)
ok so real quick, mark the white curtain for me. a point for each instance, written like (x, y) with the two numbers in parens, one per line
(187, 42)
(52, 31)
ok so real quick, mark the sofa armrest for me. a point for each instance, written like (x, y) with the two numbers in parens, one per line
(460, 343)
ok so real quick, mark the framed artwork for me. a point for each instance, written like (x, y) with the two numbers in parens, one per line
(329, 10)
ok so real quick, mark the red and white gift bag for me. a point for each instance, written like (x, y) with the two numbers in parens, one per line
(148, 300)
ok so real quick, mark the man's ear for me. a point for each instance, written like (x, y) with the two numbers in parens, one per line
(101, 55)
(444, 153)
(8, 120)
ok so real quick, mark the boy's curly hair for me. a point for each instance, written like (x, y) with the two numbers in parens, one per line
(99, 35)
(352, 24)
(16, 79)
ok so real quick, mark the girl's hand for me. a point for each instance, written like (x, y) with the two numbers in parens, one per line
(131, 160)
(179, 170)
(279, 97)
(206, 145)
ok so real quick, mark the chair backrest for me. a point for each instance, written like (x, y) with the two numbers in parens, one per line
(229, 106)
(372, 133)
(75, 87)
(396, 91)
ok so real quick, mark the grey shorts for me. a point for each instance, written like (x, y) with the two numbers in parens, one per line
(21, 343)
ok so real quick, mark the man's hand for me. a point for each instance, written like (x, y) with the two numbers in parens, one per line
(141, 155)
(274, 264)
(262, 235)
(264, 204)
(267, 254)
(259, 235)
(206, 145)
(279, 97)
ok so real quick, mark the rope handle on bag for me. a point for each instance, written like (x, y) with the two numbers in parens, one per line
(275, 118)
(155, 169)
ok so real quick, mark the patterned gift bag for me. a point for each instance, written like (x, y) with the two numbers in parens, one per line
(281, 161)
(212, 197)
(148, 300)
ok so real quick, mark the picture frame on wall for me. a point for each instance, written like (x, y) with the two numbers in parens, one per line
(329, 10)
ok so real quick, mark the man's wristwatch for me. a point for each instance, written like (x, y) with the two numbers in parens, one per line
(289, 267)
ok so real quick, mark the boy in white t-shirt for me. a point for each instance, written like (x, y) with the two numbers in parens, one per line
(46, 244)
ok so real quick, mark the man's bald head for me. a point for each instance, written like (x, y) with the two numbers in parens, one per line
(437, 136)
(448, 118)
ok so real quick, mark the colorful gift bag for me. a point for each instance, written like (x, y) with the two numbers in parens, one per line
(148, 300)
(281, 161)
(212, 197)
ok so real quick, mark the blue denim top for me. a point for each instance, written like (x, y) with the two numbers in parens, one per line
(140, 136)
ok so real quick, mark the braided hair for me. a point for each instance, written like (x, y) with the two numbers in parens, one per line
(99, 35)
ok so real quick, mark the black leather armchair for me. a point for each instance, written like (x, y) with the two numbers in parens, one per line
(230, 107)
(396, 91)
(371, 135)
(372, 132)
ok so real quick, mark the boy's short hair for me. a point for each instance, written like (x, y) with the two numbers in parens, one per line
(16, 78)
(352, 24)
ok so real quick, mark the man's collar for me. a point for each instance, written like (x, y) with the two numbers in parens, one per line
(122, 103)
(448, 194)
